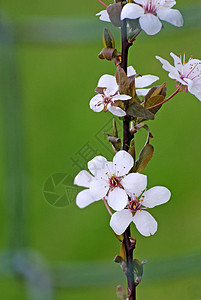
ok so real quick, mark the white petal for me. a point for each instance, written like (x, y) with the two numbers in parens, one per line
(84, 198)
(156, 196)
(169, 4)
(172, 16)
(99, 188)
(168, 67)
(96, 165)
(120, 220)
(130, 71)
(83, 178)
(134, 183)
(145, 223)
(108, 81)
(177, 62)
(193, 89)
(123, 162)
(131, 11)
(145, 80)
(121, 97)
(117, 111)
(150, 24)
(103, 15)
(96, 103)
(117, 199)
(142, 92)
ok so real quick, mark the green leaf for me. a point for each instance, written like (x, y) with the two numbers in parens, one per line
(122, 81)
(144, 157)
(123, 251)
(114, 12)
(108, 39)
(137, 110)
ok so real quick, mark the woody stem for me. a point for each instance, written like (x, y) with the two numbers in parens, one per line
(127, 137)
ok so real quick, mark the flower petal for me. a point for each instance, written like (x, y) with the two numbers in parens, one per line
(193, 89)
(156, 196)
(115, 110)
(145, 80)
(142, 92)
(177, 62)
(123, 162)
(131, 11)
(150, 24)
(99, 188)
(108, 81)
(172, 16)
(84, 198)
(121, 97)
(168, 67)
(83, 178)
(96, 165)
(103, 15)
(120, 220)
(145, 223)
(117, 199)
(134, 183)
(130, 71)
(96, 103)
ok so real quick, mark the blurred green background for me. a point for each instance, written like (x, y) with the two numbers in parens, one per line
(56, 49)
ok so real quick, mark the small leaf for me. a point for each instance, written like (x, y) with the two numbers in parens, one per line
(153, 101)
(118, 259)
(120, 237)
(114, 130)
(123, 251)
(108, 53)
(121, 292)
(137, 110)
(114, 12)
(99, 90)
(108, 39)
(122, 81)
(144, 157)
(131, 150)
(132, 86)
(155, 91)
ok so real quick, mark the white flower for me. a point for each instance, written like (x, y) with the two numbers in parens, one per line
(141, 81)
(109, 96)
(136, 213)
(186, 73)
(103, 15)
(150, 11)
(109, 180)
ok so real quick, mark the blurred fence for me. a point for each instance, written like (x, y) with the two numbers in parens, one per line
(40, 278)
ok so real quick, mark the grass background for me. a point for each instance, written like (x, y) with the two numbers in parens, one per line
(57, 83)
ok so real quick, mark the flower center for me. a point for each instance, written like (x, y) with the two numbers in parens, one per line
(151, 6)
(114, 181)
(134, 205)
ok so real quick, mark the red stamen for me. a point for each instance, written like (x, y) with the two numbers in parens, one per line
(103, 3)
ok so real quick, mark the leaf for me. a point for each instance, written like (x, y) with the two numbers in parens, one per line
(120, 237)
(137, 110)
(122, 81)
(131, 150)
(114, 130)
(123, 251)
(138, 270)
(114, 12)
(132, 86)
(108, 53)
(108, 39)
(121, 292)
(153, 101)
(144, 157)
